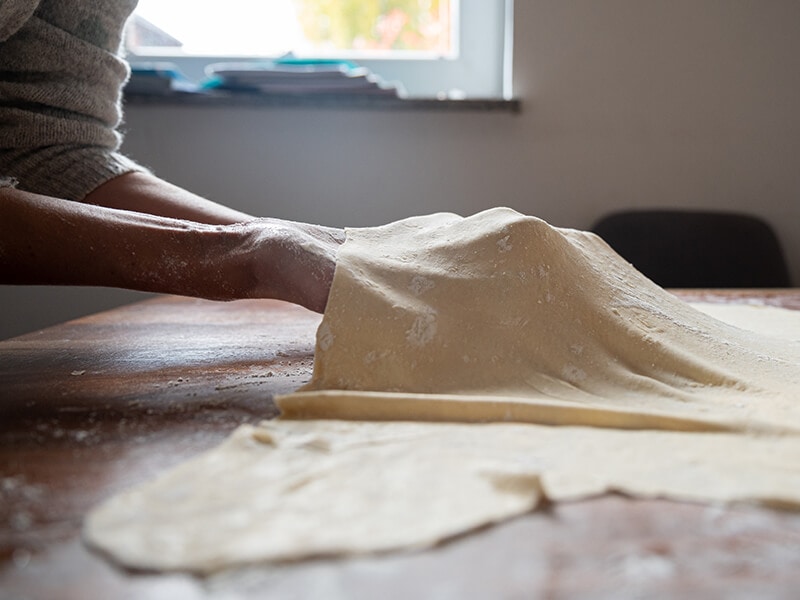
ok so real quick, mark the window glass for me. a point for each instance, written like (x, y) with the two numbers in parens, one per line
(431, 47)
(268, 28)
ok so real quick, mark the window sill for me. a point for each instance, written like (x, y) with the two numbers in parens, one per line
(227, 100)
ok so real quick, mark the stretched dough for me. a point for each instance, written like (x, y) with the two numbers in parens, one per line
(289, 490)
(527, 322)
(499, 327)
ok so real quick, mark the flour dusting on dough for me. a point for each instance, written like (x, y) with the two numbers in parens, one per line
(420, 284)
(324, 337)
(573, 374)
(422, 330)
(504, 245)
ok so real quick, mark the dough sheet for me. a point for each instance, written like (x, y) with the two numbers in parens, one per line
(501, 305)
(467, 369)
(289, 490)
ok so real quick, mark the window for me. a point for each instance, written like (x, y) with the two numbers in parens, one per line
(433, 47)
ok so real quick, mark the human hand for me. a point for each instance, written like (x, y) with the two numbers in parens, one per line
(292, 261)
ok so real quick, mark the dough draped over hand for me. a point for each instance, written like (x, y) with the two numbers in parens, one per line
(527, 322)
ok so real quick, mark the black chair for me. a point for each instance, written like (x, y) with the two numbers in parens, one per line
(697, 249)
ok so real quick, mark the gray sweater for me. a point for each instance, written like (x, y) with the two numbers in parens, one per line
(61, 77)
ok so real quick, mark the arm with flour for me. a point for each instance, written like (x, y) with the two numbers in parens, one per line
(54, 241)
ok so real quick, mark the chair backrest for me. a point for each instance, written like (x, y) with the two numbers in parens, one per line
(697, 249)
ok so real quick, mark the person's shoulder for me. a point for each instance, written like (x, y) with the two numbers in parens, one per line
(98, 23)
(14, 14)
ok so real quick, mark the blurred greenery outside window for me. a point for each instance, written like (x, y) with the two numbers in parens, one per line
(456, 48)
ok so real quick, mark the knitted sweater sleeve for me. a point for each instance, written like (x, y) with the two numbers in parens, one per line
(61, 78)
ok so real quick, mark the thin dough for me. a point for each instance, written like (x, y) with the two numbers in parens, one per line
(287, 491)
(503, 306)
(334, 488)
(499, 318)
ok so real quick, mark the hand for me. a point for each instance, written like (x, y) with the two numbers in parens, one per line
(293, 261)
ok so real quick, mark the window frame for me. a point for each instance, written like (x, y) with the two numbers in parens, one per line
(481, 70)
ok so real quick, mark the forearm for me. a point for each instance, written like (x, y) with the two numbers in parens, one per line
(145, 193)
(51, 241)
(60, 242)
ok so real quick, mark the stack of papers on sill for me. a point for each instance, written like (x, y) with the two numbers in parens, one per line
(297, 77)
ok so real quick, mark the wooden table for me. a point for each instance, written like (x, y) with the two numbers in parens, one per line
(90, 407)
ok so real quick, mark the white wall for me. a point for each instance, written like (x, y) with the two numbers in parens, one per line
(690, 103)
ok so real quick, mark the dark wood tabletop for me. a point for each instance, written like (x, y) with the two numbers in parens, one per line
(93, 406)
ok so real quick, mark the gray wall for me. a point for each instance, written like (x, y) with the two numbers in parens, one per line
(688, 103)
